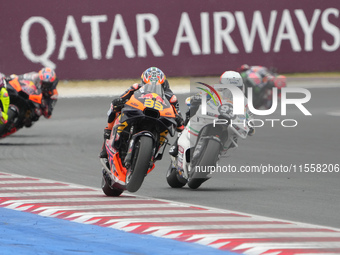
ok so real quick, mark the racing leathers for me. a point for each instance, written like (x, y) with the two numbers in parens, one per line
(4, 103)
(257, 77)
(261, 80)
(194, 103)
(49, 97)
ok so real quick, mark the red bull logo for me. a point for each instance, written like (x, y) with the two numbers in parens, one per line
(153, 95)
(147, 96)
(158, 98)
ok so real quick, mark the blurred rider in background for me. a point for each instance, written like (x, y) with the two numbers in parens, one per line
(46, 82)
(259, 76)
(4, 100)
(261, 80)
(195, 101)
(118, 103)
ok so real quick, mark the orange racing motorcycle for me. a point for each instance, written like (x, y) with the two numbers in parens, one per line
(25, 99)
(138, 139)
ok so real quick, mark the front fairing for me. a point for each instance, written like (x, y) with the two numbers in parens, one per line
(25, 89)
(150, 106)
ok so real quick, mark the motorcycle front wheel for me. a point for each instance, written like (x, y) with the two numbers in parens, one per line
(140, 164)
(173, 179)
(110, 191)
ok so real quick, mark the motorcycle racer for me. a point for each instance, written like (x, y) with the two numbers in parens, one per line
(259, 78)
(152, 73)
(46, 81)
(194, 103)
(4, 100)
(262, 73)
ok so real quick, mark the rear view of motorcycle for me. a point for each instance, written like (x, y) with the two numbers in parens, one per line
(205, 140)
(25, 100)
(138, 139)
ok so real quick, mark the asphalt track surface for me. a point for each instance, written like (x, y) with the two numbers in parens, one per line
(65, 148)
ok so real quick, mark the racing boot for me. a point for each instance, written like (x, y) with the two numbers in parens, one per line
(103, 153)
(173, 151)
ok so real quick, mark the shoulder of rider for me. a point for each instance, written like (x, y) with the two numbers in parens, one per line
(130, 91)
(135, 86)
(3, 93)
(29, 76)
(55, 83)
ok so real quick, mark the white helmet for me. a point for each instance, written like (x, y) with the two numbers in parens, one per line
(232, 78)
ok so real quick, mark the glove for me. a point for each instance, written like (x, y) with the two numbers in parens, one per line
(117, 104)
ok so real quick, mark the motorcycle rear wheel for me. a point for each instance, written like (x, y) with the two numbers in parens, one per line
(206, 159)
(141, 163)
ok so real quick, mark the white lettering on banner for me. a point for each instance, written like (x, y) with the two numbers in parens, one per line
(224, 34)
(185, 26)
(50, 36)
(71, 30)
(308, 30)
(95, 33)
(257, 25)
(205, 32)
(287, 25)
(145, 37)
(124, 40)
(331, 29)
(271, 33)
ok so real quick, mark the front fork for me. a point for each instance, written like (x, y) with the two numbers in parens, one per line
(131, 149)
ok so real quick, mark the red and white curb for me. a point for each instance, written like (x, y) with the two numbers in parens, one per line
(223, 229)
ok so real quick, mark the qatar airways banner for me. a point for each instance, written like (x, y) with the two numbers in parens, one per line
(104, 39)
